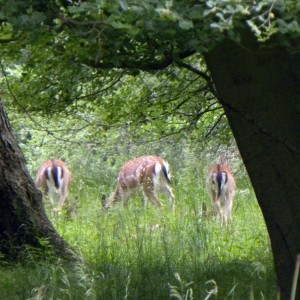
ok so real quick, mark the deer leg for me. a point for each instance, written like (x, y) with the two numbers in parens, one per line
(144, 201)
(61, 201)
(217, 206)
(152, 197)
(149, 188)
(125, 197)
(171, 197)
(228, 208)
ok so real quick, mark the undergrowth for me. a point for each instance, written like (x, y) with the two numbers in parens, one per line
(137, 253)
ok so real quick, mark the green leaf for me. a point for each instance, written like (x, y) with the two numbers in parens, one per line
(186, 24)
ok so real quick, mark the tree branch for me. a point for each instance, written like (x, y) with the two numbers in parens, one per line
(131, 63)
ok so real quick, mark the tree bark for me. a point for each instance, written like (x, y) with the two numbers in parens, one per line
(259, 89)
(23, 219)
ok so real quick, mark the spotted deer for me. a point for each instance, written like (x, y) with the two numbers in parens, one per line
(54, 178)
(147, 173)
(222, 186)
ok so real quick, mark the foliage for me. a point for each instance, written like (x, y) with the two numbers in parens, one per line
(117, 32)
(86, 60)
(53, 61)
(143, 108)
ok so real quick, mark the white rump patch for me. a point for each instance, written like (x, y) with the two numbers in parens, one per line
(223, 182)
(60, 177)
(55, 193)
(156, 175)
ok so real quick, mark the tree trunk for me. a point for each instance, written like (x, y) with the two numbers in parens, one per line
(259, 89)
(23, 220)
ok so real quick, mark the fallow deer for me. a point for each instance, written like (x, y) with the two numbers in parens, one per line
(222, 187)
(148, 173)
(54, 179)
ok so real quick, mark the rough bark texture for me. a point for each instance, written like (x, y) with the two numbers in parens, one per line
(260, 91)
(23, 220)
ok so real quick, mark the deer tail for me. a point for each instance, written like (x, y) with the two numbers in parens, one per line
(166, 173)
(222, 178)
(57, 174)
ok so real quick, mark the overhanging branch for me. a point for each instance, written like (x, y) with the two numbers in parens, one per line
(178, 60)
(131, 63)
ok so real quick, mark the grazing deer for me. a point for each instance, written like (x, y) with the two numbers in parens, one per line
(150, 174)
(222, 186)
(54, 178)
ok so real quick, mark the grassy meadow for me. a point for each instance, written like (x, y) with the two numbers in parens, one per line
(137, 253)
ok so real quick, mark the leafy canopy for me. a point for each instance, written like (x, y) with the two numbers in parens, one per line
(83, 57)
(141, 35)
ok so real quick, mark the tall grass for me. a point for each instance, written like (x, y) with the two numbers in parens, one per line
(137, 253)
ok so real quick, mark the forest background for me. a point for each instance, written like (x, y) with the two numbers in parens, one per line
(75, 87)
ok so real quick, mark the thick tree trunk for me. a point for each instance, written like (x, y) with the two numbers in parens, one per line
(259, 89)
(23, 220)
